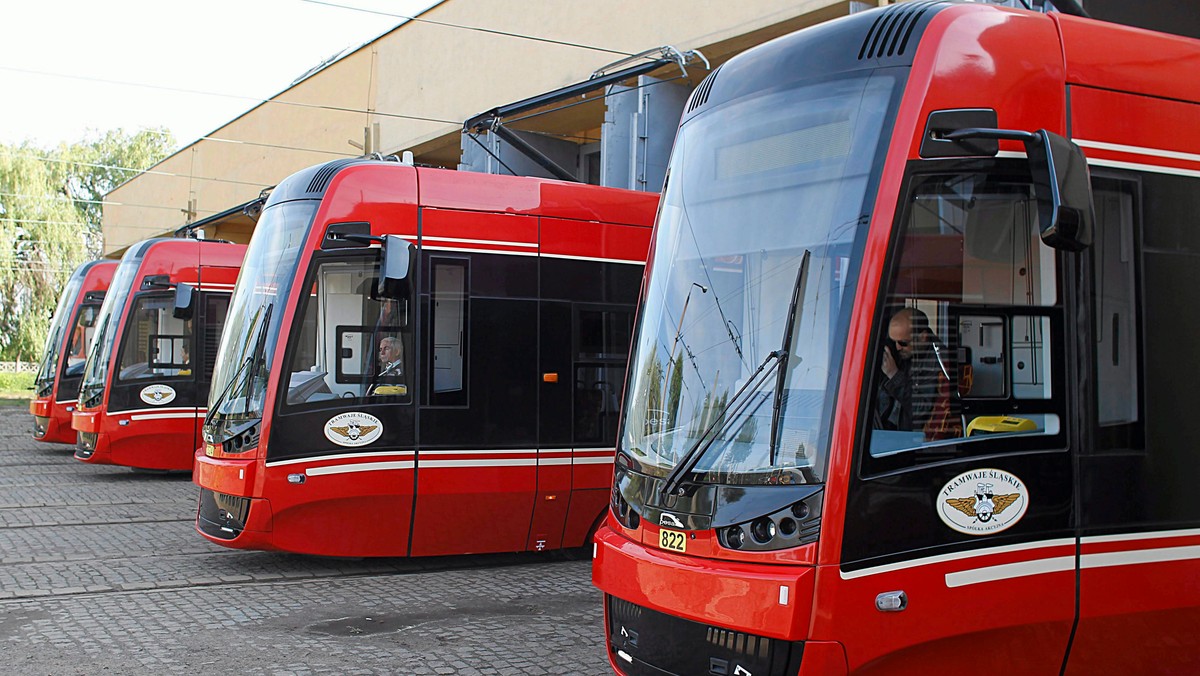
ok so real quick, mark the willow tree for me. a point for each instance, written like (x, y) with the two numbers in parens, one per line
(50, 223)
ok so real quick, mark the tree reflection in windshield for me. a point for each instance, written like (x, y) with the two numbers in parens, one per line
(744, 207)
(264, 282)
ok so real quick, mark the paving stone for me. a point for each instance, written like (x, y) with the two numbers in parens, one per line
(101, 571)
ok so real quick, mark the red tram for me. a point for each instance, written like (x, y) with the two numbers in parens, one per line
(146, 377)
(56, 387)
(422, 362)
(933, 401)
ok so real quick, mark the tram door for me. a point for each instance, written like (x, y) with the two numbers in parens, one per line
(477, 443)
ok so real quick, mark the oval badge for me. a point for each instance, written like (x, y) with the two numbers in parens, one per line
(157, 395)
(353, 429)
(982, 501)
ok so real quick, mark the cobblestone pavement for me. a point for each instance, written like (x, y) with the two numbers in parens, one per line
(102, 572)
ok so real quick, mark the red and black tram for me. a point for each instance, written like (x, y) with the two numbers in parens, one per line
(909, 388)
(422, 362)
(56, 386)
(145, 382)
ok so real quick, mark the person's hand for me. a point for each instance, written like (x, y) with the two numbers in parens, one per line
(888, 366)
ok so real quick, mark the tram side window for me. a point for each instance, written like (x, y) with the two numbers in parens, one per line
(348, 344)
(968, 347)
(1118, 374)
(156, 344)
(448, 301)
(216, 308)
(602, 337)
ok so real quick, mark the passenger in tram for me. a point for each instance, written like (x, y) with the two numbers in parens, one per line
(914, 394)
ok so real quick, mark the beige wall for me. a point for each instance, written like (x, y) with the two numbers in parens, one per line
(429, 71)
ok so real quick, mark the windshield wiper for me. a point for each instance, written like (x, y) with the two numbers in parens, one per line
(251, 358)
(213, 405)
(696, 452)
(793, 309)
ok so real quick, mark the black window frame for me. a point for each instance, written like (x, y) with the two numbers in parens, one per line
(975, 449)
(460, 398)
(130, 321)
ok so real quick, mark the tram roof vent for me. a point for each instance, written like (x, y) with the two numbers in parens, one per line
(892, 28)
(700, 96)
(320, 180)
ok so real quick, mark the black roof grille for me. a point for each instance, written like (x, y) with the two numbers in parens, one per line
(321, 179)
(891, 30)
(700, 96)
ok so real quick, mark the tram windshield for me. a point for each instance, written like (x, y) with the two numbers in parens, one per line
(251, 333)
(81, 337)
(62, 316)
(100, 351)
(744, 317)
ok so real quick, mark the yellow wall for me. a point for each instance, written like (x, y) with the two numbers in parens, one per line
(430, 71)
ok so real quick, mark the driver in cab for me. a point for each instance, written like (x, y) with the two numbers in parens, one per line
(391, 367)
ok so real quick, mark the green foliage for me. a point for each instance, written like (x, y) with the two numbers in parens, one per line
(108, 161)
(50, 223)
(16, 385)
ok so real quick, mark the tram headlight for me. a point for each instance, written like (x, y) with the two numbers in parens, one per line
(762, 530)
(735, 537)
(787, 526)
(795, 525)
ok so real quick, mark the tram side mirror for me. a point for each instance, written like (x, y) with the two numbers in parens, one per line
(396, 262)
(156, 282)
(1063, 188)
(185, 300)
(347, 235)
(1061, 183)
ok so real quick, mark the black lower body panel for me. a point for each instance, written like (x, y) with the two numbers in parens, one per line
(222, 516)
(645, 642)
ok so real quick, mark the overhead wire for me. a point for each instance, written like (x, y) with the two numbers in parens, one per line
(39, 222)
(65, 198)
(155, 172)
(262, 101)
(255, 99)
(493, 31)
(252, 143)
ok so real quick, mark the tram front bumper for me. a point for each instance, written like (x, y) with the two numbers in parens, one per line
(669, 613)
(226, 514)
(767, 600)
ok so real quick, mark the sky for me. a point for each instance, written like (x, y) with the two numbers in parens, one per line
(227, 54)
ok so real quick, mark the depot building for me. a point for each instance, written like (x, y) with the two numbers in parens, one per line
(579, 91)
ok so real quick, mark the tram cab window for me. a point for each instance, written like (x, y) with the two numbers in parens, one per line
(156, 343)
(347, 343)
(967, 349)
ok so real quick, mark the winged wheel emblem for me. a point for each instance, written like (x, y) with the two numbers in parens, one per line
(353, 431)
(984, 504)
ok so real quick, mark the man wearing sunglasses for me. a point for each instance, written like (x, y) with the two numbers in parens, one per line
(909, 385)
